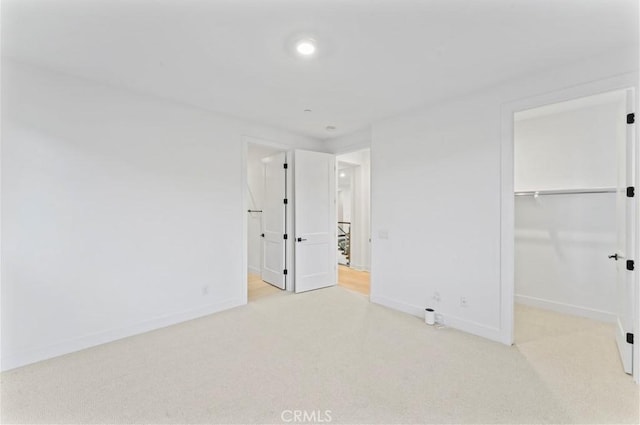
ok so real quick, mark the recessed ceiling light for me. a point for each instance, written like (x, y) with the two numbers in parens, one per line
(343, 175)
(306, 47)
(330, 128)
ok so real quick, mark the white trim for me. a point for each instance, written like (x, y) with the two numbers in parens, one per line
(244, 290)
(353, 142)
(636, 311)
(360, 267)
(507, 238)
(413, 310)
(473, 328)
(36, 354)
(291, 267)
(636, 200)
(2, 362)
(352, 149)
(565, 308)
(457, 323)
(264, 142)
(253, 269)
(507, 226)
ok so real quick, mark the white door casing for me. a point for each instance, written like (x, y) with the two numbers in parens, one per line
(507, 239)
(274, 219)
(315, 220)
(626, 244)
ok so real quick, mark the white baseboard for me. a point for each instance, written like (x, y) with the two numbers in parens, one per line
(574, 310)
(33, 355)
(396, 305)
(458, 323)
(360, 268)
(254, 269)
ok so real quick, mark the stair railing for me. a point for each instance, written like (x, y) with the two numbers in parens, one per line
(344, 239)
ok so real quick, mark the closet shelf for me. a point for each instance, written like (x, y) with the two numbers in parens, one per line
(566, 191)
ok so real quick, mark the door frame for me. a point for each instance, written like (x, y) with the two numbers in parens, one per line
(363, 144)
(507, 207)
(246, 141)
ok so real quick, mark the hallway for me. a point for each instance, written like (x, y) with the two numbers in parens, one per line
(354, 280)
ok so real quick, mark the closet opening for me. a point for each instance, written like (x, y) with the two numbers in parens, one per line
(573, 231)
(267, 220)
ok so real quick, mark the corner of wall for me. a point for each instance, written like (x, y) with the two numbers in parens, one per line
(355, 141)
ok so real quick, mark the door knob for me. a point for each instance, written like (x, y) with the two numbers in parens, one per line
(614, 256)
(301, 239)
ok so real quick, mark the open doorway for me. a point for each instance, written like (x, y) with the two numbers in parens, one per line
(267, 218)
(289, 235)
(353, 252)
(573, 298)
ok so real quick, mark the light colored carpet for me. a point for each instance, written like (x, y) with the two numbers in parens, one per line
(578, 359)
(324, 350)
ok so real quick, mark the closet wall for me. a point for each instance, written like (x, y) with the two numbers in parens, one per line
(562, 241)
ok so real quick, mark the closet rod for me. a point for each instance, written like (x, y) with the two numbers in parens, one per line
(566, 191)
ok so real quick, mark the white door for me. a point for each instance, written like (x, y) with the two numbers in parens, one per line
(274, 219)
(625, 252)
(315, 220)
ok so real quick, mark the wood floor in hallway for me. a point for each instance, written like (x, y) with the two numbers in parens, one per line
(354, 280)
(259, 289)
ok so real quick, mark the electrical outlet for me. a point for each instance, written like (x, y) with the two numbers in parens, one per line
(463, 302)
(436, 297)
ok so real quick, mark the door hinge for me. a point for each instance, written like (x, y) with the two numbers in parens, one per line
(285, 271)
(631, 192)
(285, 236)
(631, 264)
(286, 201)
(629, 337)
(286, 165)
(631, 118)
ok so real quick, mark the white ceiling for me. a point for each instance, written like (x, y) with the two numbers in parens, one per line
(613, 98)
(376, 58)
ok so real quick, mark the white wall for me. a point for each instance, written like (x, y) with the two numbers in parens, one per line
(436, 199)
(121, 213)
(562, 241)
(571, 148)
(344, 204)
